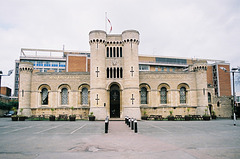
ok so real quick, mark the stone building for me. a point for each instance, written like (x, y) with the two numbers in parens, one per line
(116, 81)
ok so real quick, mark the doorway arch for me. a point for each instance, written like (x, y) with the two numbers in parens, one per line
(114, 101)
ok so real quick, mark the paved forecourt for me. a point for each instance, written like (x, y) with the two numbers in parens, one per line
(84, 139)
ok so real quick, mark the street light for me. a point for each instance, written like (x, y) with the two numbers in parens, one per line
(1, 74)
(233, 70)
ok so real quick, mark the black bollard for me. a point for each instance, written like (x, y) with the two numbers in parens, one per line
(132, 125)
(129, 122)
(106, 125)
(125, 119)
(135, 126)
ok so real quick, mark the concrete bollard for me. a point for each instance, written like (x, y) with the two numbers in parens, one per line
(135, 126)
(132, 124)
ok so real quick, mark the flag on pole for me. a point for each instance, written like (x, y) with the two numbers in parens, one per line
(110, 25)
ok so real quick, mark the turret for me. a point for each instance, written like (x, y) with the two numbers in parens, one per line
(200, 70)
(97, 40)
(130, 40)
(25, 80)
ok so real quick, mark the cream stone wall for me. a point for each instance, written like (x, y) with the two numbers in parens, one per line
(99, 85)
(173, 80)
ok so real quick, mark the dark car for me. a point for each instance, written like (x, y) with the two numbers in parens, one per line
(8, 114)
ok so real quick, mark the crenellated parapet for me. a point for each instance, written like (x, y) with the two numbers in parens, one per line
(133, 41)
(199, 67)
(99, 41)
(130, 36)
(26, 67)
(97, 37)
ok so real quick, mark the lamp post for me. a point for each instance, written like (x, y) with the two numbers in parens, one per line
(233, 70)
(1, 74)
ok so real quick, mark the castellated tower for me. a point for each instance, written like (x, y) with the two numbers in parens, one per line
(114, 76)
(201, 87)
(130, 40)
(25, 78)
(98, 94)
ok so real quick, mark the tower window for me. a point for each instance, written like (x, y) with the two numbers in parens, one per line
(107, 51)
(110, 51)
(120, 51)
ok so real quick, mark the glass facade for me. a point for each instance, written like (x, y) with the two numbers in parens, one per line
(171, 60)
(144, 67)
(43, 66)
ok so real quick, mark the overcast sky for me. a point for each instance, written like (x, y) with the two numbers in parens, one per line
(180, 28)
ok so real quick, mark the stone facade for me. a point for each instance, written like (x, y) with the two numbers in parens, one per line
(114, 86)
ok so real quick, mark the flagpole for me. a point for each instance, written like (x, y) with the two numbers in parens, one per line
(106, 21)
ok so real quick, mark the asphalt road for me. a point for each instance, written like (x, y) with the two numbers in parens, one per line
(216, 139)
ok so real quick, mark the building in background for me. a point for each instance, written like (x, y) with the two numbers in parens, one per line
(5, 94)
(50, 61)
(116, 81)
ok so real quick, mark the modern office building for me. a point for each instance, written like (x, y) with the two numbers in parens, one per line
(44, 60)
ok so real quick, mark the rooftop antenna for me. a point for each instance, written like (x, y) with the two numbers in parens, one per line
(63, 49)
(105, 21)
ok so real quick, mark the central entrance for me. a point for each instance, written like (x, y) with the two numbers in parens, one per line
(114, 101)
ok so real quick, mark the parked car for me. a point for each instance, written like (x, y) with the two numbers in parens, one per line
(8, 114)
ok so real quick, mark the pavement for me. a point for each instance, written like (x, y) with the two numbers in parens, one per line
(215, 139)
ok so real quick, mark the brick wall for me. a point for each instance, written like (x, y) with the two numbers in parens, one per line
(146, 59)
(210, 75)
(89, 64)
(224, 80)
(5, 91)
(77, 63)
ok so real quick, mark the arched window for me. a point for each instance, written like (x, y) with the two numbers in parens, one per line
(209, 98)
(84, 96)
(64, 96)
(44, 96)
(143, 95)
(163, 95)
(183, 95)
